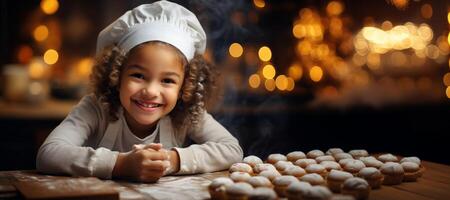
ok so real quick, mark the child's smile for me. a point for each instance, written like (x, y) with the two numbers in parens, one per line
(150, 84)
(147, 106)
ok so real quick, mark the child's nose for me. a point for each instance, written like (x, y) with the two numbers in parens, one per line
(151, 89)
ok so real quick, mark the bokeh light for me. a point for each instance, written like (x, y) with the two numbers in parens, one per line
(49, 6)
(84, 67)
(24, 54)
(447, 91)
(36, 69)
(265, 54)
(334, 8)
(316, 73)
(40, 33)
(236, 50)
(426, 10)
(254, 81)
(259, 3)
(291, 84)
(270, 84)
(51, 56)
(295, 71)
(281, 82)
(446, 79)
(269, 71)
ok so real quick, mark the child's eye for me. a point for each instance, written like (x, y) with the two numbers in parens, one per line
(168, 80)
(137, 75)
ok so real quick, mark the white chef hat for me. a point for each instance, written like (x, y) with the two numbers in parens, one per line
(160, 21)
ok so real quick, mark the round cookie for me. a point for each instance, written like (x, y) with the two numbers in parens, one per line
(332, 151)
(281, 183)
(387, 158)
(356, 153)
(313, 179)
(240, 176)
(238, 191)
(217, 187)
(303, 163)
(263, 193)
(372, 175)
(393, 173)
(336, 178)
(295, 155)
(274, 158)
(252, 160)
(314, 154)
(241, 167)
(357, 187)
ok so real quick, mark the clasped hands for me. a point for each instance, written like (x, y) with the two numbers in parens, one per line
(146, 163)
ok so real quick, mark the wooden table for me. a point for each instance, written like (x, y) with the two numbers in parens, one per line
(435, 184)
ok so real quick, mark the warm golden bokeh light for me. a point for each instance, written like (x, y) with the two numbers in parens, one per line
(49, 6)
(51, 56)
(36, 70)
(299, 31)
(265, 54)
(270, 84)
(84, 67)
(269, 71)
(335, 8)
(40, 33)
(426, 10)
(447, 91)
(373, 61)
(24, 54)
(281, 82)
(295, 71)
(448, 38)
(291, 84)
(254, 81)
(316, 73)
(400, 4)
(398, 37)
(236, 50)
(448, 17)
(446, 79)
(259, 3)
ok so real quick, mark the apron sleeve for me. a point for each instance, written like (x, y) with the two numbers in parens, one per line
(65, 151)
(216, 149)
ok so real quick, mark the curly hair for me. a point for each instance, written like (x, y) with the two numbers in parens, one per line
(196, 91)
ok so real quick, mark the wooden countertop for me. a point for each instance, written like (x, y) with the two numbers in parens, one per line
(435, 184)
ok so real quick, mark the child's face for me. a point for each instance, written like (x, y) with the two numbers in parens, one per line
(150, 83)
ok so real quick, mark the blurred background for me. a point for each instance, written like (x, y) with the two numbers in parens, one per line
(295, 75)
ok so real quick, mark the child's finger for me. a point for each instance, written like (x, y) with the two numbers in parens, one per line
(156, 166)
(155, 146)
(138, 146)
(156, 155)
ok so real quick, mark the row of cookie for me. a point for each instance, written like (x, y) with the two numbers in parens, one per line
(407, 169)
(285, 186)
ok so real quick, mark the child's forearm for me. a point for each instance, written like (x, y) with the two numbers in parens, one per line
(118, 167)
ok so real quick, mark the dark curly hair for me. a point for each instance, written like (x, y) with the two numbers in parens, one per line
(196, 91)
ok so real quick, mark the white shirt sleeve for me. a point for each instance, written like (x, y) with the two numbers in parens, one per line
(65, 150)
(216, 149)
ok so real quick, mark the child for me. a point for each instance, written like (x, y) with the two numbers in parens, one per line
(150, 87)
